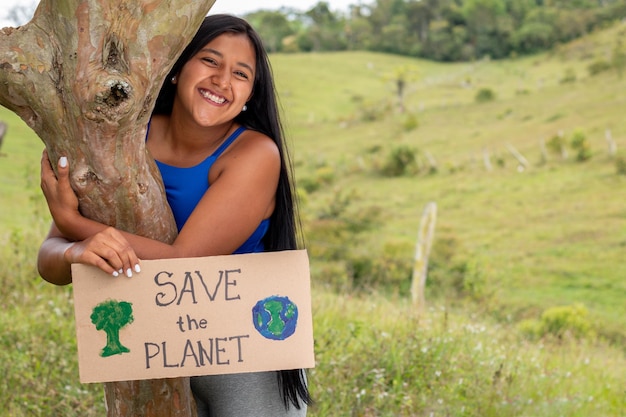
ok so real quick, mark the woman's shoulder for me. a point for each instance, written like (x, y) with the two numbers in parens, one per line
(251, 151)
(254, 144)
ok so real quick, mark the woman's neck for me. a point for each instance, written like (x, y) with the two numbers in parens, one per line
(185, 144)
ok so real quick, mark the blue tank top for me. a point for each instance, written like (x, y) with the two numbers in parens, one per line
(185, 187)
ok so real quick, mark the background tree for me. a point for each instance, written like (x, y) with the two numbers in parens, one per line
(401, 77)
(324, 30)
(381, 18)
(84, 76)
(358, 30)
(488, 26)
(519, 9)
(273, 27)
(421, 13)
(537, 31)
(442, 30)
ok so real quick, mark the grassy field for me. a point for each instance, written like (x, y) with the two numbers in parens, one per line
(553, 234)
(526, 289)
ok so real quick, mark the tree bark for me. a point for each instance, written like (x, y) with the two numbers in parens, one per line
(84, 75)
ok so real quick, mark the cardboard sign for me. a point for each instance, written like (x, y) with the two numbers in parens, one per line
(195, 316)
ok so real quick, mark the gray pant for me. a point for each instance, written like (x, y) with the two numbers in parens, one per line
(254, 394)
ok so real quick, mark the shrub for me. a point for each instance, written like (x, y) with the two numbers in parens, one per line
(338, 205)
(485, 95)
(324, 175)
(556, 144)
(560, 322)
(530, 328)
(453, 276)
(581, 145)
(598, 67)
(400, 161)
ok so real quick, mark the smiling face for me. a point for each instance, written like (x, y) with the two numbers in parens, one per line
(215, 84)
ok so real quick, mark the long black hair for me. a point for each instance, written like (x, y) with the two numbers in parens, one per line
(262, 115)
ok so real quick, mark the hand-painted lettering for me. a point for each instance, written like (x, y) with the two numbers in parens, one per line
(189, 292)
(218, 351)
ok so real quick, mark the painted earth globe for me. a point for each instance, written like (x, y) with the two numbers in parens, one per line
(275, 317)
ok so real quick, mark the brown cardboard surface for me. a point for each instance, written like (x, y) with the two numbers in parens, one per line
(195, 316)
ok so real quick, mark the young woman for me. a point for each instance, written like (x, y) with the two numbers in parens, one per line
(218, 142)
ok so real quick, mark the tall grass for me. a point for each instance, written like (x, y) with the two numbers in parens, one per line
(376, 358)
(38, 357)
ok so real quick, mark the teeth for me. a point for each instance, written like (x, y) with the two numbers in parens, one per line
(212, 97)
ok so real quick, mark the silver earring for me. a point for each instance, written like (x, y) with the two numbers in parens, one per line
(174, 79)
(244, 108)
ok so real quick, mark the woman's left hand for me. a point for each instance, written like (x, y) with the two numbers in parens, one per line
(62, 201)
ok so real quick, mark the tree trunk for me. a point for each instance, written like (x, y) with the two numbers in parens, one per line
(84, 75)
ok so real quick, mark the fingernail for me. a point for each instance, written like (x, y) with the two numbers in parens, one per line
(129, 273)
(63, 161)
(115, 274)
(137, 268)
(121, 271)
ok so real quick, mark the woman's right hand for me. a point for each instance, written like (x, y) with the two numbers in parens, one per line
(108, 250)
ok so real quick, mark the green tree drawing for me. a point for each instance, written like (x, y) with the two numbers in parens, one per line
(111, 316)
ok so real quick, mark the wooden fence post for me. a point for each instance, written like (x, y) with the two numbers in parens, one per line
(423, 246)
(523, 162)
(611, 142)
(487, 160)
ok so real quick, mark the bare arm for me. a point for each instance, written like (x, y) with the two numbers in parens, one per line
(243, 186)
(53, 266)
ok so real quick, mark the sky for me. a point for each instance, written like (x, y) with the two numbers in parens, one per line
(237, 7)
